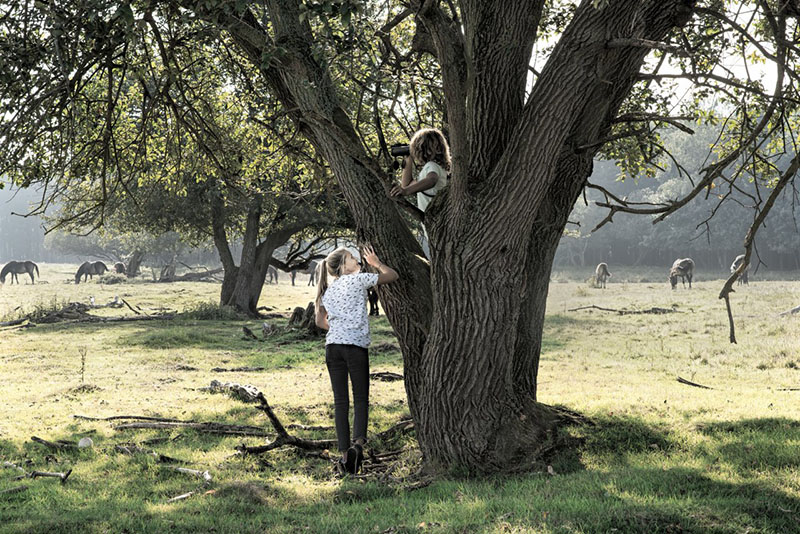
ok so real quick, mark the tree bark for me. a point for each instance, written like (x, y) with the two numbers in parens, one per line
(471, 330)
(135, 264)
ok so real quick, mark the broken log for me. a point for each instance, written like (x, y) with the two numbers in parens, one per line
(790, 312)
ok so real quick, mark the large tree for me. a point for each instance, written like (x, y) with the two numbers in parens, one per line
(523, 127)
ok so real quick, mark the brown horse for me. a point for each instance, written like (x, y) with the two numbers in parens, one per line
(89, 269)
(18, 267)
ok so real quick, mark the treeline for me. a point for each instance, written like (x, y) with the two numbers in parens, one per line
(712, 235)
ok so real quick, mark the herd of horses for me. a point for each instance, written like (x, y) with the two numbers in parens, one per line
(682, 268)
(87, 270)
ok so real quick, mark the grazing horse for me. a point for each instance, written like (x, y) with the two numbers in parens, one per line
(89, 269)
(601, 274)
(735, 265)
(18, 267)
(683, 268)
(119, 268)
(272, 272)
(312, 271)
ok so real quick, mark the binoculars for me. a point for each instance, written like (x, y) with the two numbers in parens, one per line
(399, 151)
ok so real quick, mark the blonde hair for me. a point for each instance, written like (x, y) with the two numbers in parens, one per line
(429, 144)
(331, 265)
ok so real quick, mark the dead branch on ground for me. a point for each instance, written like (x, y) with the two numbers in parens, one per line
(654, 310)
(386, 376)
(790, 312)
(688, 383)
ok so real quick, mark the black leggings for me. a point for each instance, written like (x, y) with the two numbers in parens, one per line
(344, 360)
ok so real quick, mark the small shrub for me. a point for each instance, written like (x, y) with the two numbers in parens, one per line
(581, 292)
(209, 311)
(111, 278)
(763, 366)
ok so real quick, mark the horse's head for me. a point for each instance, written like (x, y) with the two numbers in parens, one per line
(2, 278)
(673, 278)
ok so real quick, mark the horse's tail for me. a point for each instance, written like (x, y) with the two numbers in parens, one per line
(37, 269)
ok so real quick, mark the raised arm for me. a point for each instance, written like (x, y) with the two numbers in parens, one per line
(385, 273)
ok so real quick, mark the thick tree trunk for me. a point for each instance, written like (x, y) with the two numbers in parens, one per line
(471, 332)
(135, 264)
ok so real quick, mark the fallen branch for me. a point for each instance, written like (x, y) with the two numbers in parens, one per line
(13, 466)
(402, 427)
(296, 426)
(15, 322)
(244, 393)
(60, 444)
(238, 369)
(688, 383)
(131, 449)
(194, 277)
(211, 428)
(138, 417)
(205, 475)
(654, 310)
(790, 312)
(386, 376)
(125, 302)
(13, 490)
(36, 474)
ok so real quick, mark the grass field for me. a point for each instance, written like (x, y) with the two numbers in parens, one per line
(661, 456)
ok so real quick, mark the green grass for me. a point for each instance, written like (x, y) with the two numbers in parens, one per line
(660, 456)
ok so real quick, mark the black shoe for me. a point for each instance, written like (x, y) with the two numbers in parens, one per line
(351, 459)
(359, 456)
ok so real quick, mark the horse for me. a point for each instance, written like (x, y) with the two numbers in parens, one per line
(89, 269)
(372, 296)
(683, 268)
(735, 265)
(18, 267)
(119, 268)
(601, 274)
(311, 270)
(272, 272)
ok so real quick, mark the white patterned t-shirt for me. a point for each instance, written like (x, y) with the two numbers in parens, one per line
(345, 301)
(424, 197)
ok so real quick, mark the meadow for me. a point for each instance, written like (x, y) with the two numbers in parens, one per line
(652, 454)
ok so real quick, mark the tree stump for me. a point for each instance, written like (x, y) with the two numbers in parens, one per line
(309, 323)
(297, 316)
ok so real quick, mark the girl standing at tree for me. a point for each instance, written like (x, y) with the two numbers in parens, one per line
(341, 309)
(428, 148)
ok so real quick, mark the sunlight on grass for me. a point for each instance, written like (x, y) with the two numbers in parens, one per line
(660, 456)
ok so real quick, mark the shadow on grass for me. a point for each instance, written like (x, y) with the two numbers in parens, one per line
(671, 488)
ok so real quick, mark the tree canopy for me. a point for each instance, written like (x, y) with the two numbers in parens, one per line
(528, 94)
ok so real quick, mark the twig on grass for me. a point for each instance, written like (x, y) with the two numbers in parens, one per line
(211, 428)
(790, 312)
(60, 444)
(688, 383)
(16, 489)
